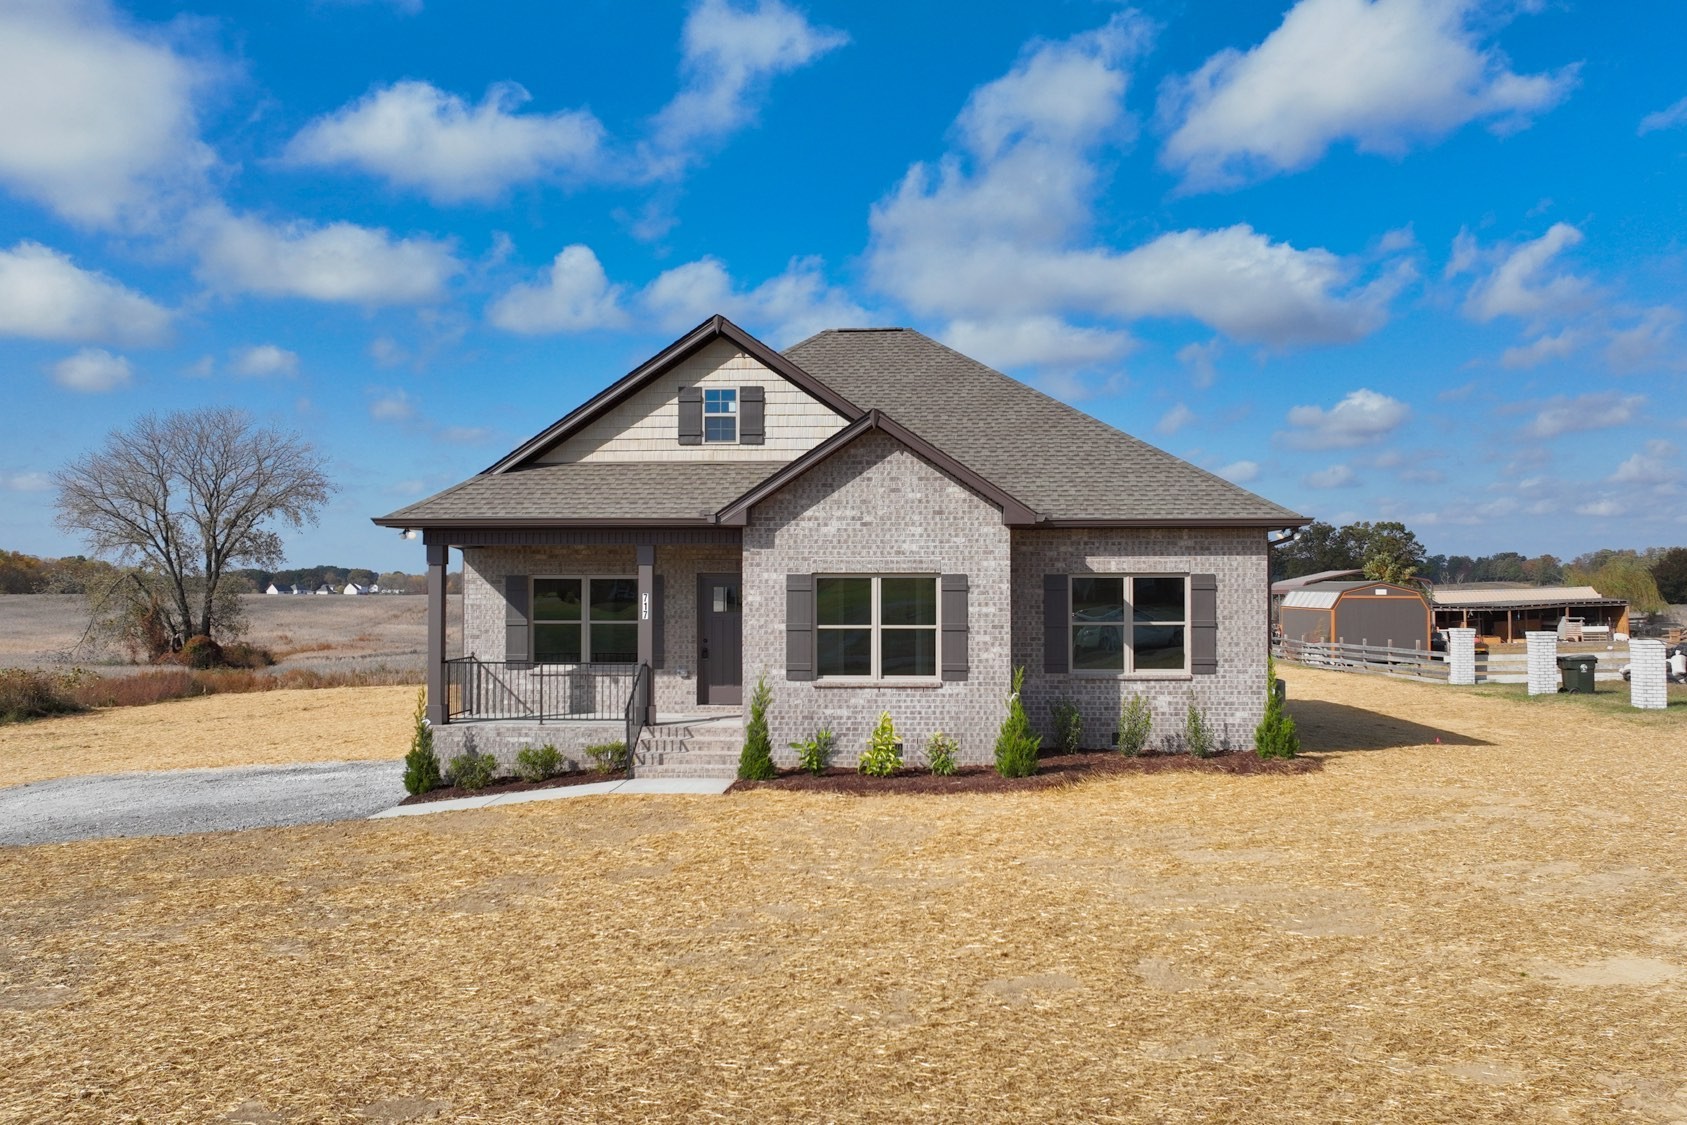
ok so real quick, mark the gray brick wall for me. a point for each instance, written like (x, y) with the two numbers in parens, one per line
(1231, 700)
(876, 508)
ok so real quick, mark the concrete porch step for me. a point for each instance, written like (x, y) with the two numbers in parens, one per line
(691, 748)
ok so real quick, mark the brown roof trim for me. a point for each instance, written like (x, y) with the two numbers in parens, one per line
(1269, 524)
(537, 521)
(716, 327)
(1014, 512)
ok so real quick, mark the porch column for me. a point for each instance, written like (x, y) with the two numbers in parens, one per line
(438, 554)
(647, 619)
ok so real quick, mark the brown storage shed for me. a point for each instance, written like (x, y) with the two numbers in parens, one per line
(1371, 613)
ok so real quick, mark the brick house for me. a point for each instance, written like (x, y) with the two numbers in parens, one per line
(871, 521)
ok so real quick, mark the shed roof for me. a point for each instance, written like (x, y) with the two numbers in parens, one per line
(1528, 597)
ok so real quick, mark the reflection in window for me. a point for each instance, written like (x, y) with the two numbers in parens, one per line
(720, 414)
(581, 620)
(1129, 623)
(876, 626)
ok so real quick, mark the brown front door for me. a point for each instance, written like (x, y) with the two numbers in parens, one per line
(720, 639)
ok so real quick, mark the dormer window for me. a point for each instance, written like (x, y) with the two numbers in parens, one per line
(720, 414)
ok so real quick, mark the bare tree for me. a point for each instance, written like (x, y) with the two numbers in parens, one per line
(188, 496)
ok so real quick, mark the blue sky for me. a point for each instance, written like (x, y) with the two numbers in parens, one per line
(1374, 259)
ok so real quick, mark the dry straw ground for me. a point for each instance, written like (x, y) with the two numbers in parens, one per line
(1488, 927)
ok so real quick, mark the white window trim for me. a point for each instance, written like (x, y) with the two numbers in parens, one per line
(733, 413)
(585, 622)
(877, 676)
(1130, 672)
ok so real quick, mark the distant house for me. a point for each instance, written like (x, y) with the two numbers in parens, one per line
(352, 590)
(324, 590)
(273, 589)
(298, 589)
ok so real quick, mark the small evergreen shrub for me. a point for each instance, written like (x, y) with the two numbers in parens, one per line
(755, 761)
(1136, 720)
(608, 757)
(883, 755)
(421, 764)
(816, 754)
(1016, 745)
(473, 770)
(1275, 737)
(941, 750)
(538, 763)
(1197, 735)
(1068, 725)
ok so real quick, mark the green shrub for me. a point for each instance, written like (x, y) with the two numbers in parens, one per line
(941, 750)
(1016, 745)
(27, 694)
(755, 761)
(421, 765)
(537, 763)
(202, 652)
(1275, 737)
(883, 755)
(1197, 735)
(1136, 719)
(816, 754)
(1068, 725)
(608, 757)
(473, 770)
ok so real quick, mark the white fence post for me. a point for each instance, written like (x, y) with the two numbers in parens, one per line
(1543, 663)
(1461, 656)
(1647, 678)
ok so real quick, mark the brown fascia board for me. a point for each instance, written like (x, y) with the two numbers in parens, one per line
(538, 521)
(1268, 524)
(1014, 513)
(714, 328)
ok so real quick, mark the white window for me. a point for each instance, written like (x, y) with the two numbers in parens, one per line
(1130, 623)
(875, 626)
(720, 414)
(585, 620)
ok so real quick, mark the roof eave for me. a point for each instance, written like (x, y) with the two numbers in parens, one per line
(1266, 523)
(424, 523)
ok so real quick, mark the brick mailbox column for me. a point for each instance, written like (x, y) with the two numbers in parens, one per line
(1461, 656)
(1647, 678)
(1543, 663)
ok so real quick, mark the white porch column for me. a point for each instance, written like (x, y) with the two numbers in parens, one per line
(1543, 663)
(1461, 656)
(1647, 676)
(438, 554)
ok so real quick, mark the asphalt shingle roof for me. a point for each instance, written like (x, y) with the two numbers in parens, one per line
(1058, 460)
(658, 490)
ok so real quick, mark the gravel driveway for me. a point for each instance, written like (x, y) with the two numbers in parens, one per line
(173, 802)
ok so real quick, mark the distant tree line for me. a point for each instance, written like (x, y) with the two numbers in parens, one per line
(26, 574)
(76, 574)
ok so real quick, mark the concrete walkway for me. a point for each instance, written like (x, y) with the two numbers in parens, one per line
(699, 786)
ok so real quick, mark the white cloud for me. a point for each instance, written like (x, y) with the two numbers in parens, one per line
(1602, 509)
(1336, 476)
(1240, 472)
(784, 309)
(573, 295)
(1201, 361)
(1668, 118)
(387, 352)
(337, 262)
(1175, 419)
(728, 54)
(1541, 349)
(1648, 343)
(96, 115)
(1657, 464)
(465, 435)
(263, 361)
(1564, 415)
(1523, 284)
(1000, 228)
(1362, 417)
(202, 368)
(1383, 74)
(392, 406)
(25, 482)
(416, 136)
(45, 296)
(1036, 341)
(92, 371)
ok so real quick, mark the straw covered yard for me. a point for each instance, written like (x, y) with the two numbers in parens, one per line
(1474, 912)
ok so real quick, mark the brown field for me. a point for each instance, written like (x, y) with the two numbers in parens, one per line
(1474, 912)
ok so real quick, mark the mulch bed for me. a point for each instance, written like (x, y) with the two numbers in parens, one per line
(1052, 770)
(514, 785)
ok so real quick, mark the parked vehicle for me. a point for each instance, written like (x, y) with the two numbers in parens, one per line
(1675, 665)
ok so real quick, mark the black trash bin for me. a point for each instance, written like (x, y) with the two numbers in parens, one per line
(1577, 672)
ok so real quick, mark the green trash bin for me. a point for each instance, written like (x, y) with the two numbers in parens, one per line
(1577, 672)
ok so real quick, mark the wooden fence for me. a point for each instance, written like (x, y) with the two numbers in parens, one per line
(1419, 664)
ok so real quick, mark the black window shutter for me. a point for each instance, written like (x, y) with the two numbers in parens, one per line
(799, 627)
(1057, 623)
(752, 414)
(952, 590)
(658, 616)
(1203, 624)
(517, 630)
(691, 415)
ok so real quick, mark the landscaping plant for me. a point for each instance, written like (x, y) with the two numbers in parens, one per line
(884, 749)
(1275, 737)
(1197, 735)
(537, 763)
(1136, 719)
(1016, 745)
(940, 753)
(473, 770)
(608, 757)
(755, 762)
(421, 764)
(1068, 725)
(816, 754)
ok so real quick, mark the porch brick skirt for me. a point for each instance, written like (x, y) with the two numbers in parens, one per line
(505, 739)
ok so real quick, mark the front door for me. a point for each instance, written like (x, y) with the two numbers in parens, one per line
(720, 639)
